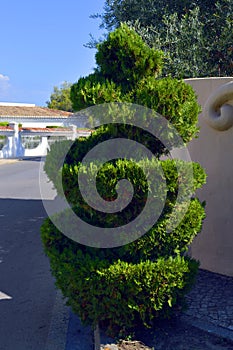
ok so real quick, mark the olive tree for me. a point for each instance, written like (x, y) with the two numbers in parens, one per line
(196, 36)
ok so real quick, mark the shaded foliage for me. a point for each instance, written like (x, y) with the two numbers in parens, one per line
(134, 283)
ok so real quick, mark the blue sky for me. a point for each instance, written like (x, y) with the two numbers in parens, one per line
(42, 46)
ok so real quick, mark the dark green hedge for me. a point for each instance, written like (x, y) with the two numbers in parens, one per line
(93, 90)
(102, 286)
(136, 282)
(126, 59)
(149, 277)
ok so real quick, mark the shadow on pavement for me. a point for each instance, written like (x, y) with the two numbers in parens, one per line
(24, 276)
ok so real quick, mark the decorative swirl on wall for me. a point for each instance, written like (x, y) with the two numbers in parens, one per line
(218, 110)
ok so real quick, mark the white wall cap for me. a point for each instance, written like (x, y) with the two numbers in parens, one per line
(13, 104)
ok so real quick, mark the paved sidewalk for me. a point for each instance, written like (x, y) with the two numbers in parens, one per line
(210, 303)
(210, 309)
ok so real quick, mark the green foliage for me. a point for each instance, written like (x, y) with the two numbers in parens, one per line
(156, 242)
(195, 45)
(54, 159)
(131, 64)
(116, 293)
(127, 73)
(147, 278)
(182, 41)
(123, 60)
(112, 172)
(154, 278)
(92, 90)
(196, 37)
(149, 12)
(60, 98)
(174, 100)
(4, 124)
(218, 34)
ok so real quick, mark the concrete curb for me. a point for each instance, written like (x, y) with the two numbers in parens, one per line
(208, 327)
(8, 161)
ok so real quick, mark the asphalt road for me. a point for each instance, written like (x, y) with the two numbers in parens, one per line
(20, 179)
(25, 316)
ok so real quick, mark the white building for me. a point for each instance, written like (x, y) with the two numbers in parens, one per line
(30, 115)
(34, 122)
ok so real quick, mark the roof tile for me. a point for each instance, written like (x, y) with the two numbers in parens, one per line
(22, 111)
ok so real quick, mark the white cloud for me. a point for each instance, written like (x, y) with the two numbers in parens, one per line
(4, 85)
(4, 78)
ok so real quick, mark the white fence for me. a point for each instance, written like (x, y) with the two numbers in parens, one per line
(15, 148)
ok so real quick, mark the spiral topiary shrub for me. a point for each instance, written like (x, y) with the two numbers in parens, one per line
(148, 277)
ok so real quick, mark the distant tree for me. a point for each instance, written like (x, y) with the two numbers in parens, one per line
(218, 33)
(60, 98)
(196, 36)
(148, 12)
(182, 41)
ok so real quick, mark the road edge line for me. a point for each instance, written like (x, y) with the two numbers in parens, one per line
(58, 328)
